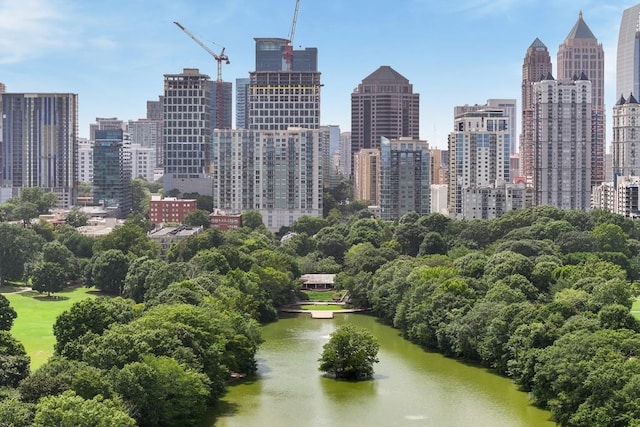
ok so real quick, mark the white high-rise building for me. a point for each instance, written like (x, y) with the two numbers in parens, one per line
(625, 145)
(277, 173)
(563, 143)
(85, 160)
(479, 155)
(147, 133)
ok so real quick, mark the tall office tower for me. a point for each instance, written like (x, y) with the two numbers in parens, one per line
(155, 109)
(281, 98)
(147, 133)
(187, 133)
(155, 112)
(439, 166)
(221, 104)
(626, 112)
(404, 177)
(628, 59)
(383, 105)
(242, 96)
(563, 143)
(582, 54)
(143, 161)
(625, 145)
(112, 172)
(537, 65)
(330, 169)
(344, 164)
(479, 152)
(508, 106)
(40, 144)
(85, 160)
(277, 173)
(366, 176)
(105, 123)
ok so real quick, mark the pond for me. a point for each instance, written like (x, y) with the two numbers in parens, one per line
(411, 387)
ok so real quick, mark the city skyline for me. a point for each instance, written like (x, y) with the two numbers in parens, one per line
(114, 55)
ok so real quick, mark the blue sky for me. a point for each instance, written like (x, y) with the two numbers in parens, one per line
(114, 53)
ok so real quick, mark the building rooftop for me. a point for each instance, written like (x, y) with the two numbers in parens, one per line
(385, 73)
(580, 30)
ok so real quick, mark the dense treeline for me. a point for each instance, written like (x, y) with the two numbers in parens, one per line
(160, 347)
(540, 295)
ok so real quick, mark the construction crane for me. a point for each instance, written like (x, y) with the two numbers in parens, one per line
(288, 49)
(219, 58)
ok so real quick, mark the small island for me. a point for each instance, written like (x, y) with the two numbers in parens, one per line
(350, 354)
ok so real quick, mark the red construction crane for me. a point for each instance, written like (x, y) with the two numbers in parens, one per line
(219, 58)
(288, 49)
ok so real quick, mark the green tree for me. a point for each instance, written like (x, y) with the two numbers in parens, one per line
(17, 247)
(331, 241)
(131, 237)
(48, 277)
(135, 280)
(161, 392)
(76, 218)
(71, 410)
(140, 196)
(309, 224)
(14, 413)
(610, 238)
(350, 353)
(108, 271)
(14, 362)
(7, 314)
(252, 219)
(89, 316)
(197, 218)
(80, 245)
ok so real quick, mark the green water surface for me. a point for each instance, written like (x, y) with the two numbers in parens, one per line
(411, 387)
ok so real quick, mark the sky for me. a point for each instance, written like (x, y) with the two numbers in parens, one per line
(114, 53)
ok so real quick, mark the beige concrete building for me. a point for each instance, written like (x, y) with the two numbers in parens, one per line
(366, 177)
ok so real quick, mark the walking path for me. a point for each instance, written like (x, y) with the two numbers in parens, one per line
(319, 314)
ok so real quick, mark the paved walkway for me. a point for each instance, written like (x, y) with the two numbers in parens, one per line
(319, 314)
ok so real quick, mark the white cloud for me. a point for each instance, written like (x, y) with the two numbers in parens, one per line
(30, 27)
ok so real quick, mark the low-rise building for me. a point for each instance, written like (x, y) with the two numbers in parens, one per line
(170, 209)
(166, 236)
(225, 221)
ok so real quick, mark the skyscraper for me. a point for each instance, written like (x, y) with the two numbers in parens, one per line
(536, 66)
(278, 98)
(563, 143)
(221, 102)
(405, 184)
(112, 172)
(479, 159)
(579, 54)
(242, 95)
(626, 113)
(628, 59)
(383, 105)
(187, 132)
(277, 173)
(39, 143)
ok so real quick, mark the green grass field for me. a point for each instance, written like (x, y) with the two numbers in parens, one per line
(635, 309)
(324, 296)
(320, 307)
(36, 315)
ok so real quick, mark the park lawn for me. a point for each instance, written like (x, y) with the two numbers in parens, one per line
(320, 307)
(635, 309)
(36, 315)
(323, 296)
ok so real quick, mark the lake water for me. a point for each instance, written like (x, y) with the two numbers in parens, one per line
(411, 387)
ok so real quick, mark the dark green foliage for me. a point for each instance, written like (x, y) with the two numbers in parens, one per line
(17, 247)
(109, 270)
(197, 218)
(70, 410)
(350, 353)
(48, 277)
(14, 362)
(161, 392)
(89, 316)
(7, 314)
(14, 413)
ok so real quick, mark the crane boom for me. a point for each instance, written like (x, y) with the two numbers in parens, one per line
(293, 23)
(219, 58)
(288, 49)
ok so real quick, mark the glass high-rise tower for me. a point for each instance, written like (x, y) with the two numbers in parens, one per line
(628, 60)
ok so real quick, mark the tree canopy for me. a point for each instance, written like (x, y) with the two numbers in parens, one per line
(350, 353)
